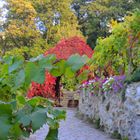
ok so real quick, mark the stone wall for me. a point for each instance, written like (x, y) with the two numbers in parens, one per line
(113, 113)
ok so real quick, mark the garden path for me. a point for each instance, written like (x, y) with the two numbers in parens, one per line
(72, 129)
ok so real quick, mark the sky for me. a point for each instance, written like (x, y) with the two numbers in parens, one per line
(2, 16)
(1, 3)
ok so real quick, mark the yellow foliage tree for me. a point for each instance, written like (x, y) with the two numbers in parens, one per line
(34, 26)
(57, 18)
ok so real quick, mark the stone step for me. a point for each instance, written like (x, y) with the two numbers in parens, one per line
(67, 96)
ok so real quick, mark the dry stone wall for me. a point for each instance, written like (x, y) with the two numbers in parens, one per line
(114, 112)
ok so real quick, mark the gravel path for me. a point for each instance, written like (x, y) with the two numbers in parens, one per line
(72, 129)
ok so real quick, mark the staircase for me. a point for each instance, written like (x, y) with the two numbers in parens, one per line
(69, 99)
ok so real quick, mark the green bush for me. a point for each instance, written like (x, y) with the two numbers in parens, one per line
(135, 77)
(69, 84)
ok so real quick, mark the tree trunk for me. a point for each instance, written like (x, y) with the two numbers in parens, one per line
(57, 88)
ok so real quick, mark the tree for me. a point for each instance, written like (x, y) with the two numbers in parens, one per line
(20, 30)
(94, 15)
(120, 50)
(56, 19)
(32, 27)
(63, 50)
(66, 47)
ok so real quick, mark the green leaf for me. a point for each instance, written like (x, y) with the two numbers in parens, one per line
(20, 100)
(59, 114)
(51, 58)
(52, 123)
(37, 58)
(52, 135)
(46, 65)
(15, 66)
(20, 78)
(47, 61)
(58, 68)
(34, 101)
(30, 69)
(38, 119)
(19, 114)
(5, 110)
(4, 128)
(54, 116)
(39, 76)
(13, 104)
(15, 131)
(76, 62)
(69, 73)
(5, 116)
(34, 73)
(25, 120)
(3, 70)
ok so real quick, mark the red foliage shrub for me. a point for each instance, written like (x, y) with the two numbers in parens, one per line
(63, 50)
(46, 90)
(67, 47)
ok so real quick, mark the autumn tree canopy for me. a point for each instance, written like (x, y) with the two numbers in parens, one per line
(63, 50)
(66, 47)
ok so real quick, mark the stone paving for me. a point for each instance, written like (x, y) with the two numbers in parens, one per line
(72, 129)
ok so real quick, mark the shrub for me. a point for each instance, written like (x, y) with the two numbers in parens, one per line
(135, 77)
(47, 89)
(63, 50)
